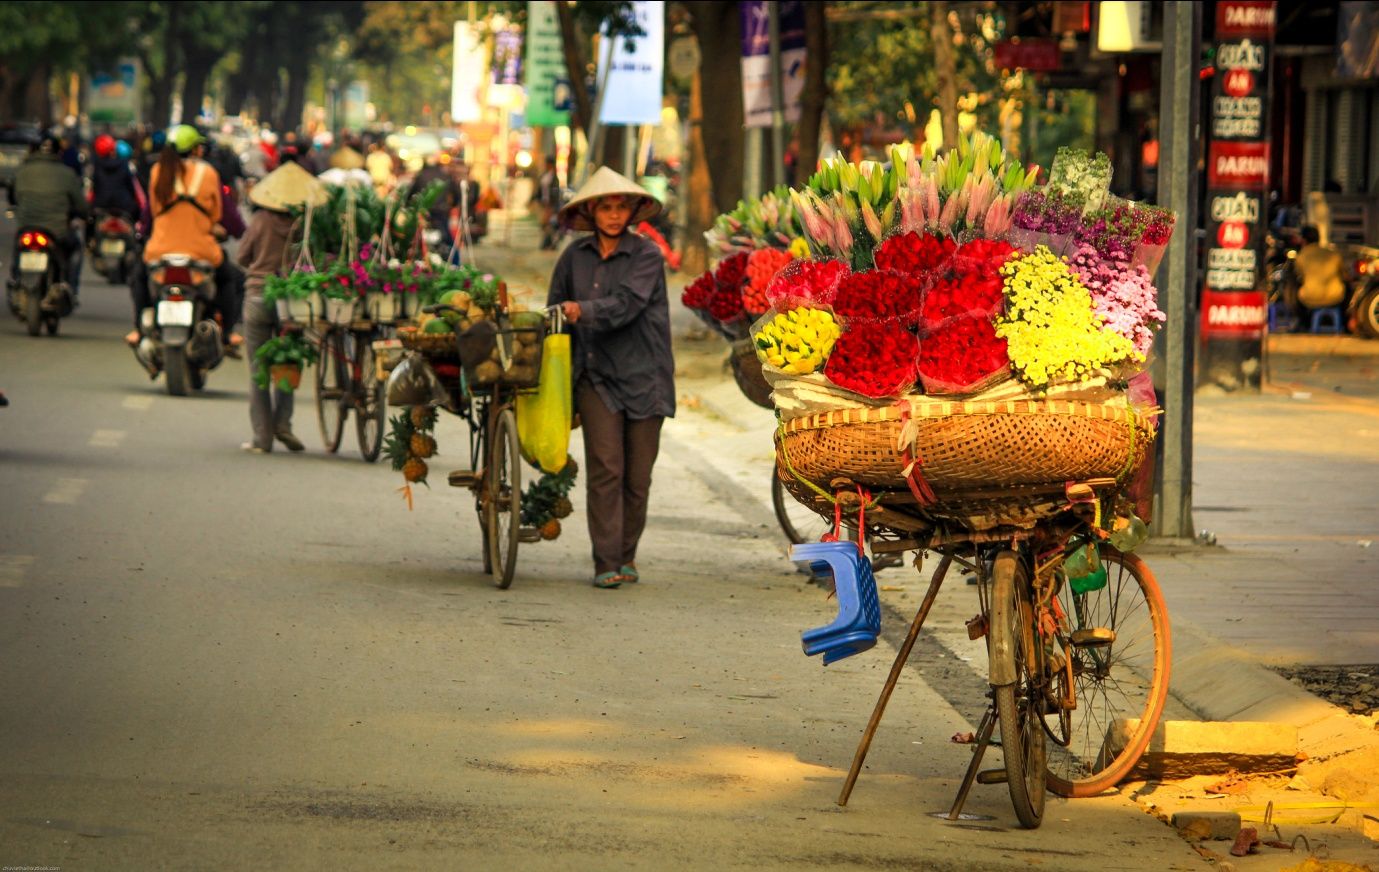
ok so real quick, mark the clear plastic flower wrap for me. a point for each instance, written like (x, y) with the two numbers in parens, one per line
(796, 341)
(881, 295)
(962, 355)
(1044, 217)
(806, 282)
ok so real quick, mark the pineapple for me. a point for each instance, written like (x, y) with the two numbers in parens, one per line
(422, 445)
(562, 508)
(414, 470)
(423, 417)
(550, 530)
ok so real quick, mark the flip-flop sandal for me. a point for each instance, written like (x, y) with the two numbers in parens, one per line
(629, 572)
(608, 580)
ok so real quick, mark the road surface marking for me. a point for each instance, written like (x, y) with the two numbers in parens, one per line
(67, 491)
(106, 439)
(138, 403)
(13, 567)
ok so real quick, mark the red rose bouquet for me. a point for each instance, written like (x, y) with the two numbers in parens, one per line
(914, 253)
(874, 359)
(698, 293)
(964, 355)
(805, 282)
(878, 295)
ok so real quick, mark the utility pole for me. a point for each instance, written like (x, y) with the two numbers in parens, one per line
(1179, 100)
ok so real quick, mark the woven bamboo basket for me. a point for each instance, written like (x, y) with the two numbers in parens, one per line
(964, 445)
(440, 345)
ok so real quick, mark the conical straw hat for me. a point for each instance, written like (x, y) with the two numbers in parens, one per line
(288, 185)
(577, 214)
(347, 158)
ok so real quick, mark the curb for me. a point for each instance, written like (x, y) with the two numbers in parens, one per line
(1321, 345)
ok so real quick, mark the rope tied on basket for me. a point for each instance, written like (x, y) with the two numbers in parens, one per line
(865, 499)
(907, 446)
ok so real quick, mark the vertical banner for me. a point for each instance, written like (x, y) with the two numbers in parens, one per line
(635, 79)
(1233, 300)
(468, 75)
(113, 95)
(507, 57)
(545, 65)
(756, 60)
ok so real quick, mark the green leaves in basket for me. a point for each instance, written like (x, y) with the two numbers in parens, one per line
(293, 286)
(289, 348)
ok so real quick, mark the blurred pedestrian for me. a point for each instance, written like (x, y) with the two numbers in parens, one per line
(611, 287)
(548, 201)
(380, 166)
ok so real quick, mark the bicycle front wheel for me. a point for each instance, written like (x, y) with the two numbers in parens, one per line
(1120, 686)
(371, 410)
(332, 382)
(1015, 652)
(800, 523)
(504, 498)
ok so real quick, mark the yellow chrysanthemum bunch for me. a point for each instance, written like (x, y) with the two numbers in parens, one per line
(798, 341)
(1051, 326)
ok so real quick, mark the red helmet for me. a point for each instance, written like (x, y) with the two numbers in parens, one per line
(104, 145)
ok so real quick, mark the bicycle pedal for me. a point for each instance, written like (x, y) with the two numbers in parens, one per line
(992, 776)
(527, 535)
(976, 628)
(1093, 637)
(463, 478)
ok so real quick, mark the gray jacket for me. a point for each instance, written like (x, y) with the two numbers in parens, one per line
(47, 194)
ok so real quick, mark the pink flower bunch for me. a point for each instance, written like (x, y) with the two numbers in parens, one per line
(1124, 296)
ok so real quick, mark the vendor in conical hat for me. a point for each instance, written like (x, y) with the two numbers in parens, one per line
(264, 251)
(611, 286)
(287, 186)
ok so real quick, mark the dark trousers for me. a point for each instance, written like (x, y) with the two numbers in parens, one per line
(618, 456)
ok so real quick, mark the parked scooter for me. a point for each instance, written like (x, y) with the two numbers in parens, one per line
(113, 246)
(181, 332)
(1363, 312)
(38, 293)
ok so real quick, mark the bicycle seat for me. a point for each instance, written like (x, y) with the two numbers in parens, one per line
(859, 607)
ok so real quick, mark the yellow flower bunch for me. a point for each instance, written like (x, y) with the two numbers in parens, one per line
(798, 341)
(1051, 326)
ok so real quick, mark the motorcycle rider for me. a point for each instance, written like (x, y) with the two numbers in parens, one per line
(185, 203)
(112, 183)
(48, 194)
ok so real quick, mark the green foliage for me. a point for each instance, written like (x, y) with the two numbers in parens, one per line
(481, 286)
(289, 348)
(293, 286)
(397, 444)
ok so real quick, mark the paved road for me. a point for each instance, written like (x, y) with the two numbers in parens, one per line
(218, 660)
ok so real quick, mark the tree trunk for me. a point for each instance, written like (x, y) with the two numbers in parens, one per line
(700, 210)
(814, 98)
(576, 66)
(298, 71)
(719, 31)
(38, 101)
(946, 72)
(194, 85)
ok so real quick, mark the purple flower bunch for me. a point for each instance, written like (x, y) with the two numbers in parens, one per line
(1046, 212)
(1124, 296)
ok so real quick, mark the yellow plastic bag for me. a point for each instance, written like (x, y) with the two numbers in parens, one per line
(543, 417)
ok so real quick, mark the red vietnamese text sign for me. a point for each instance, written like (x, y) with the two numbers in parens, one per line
(1244, 18)
(1238, 165)
(1234, 315)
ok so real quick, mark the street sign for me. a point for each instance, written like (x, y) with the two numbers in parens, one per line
(1037, 55)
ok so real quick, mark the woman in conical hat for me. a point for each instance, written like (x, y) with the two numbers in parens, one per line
(611, 286)
(261, 253)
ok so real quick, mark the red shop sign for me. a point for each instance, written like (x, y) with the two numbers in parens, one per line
(1244, 18)
(1040, 55)
(1238, 165)
(1234, 314)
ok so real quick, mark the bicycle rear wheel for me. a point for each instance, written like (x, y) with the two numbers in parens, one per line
(1121, 686)
(1015, 653)
(503, 487)
(370, 410)
(332, 383)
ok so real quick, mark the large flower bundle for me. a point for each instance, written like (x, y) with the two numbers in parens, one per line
(943, 273)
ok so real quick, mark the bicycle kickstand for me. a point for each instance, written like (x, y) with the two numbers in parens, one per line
(982, 742)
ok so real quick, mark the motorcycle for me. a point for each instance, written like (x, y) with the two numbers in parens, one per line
(38, 293)
(113, 246)
(181, 332)
(1363, 311)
